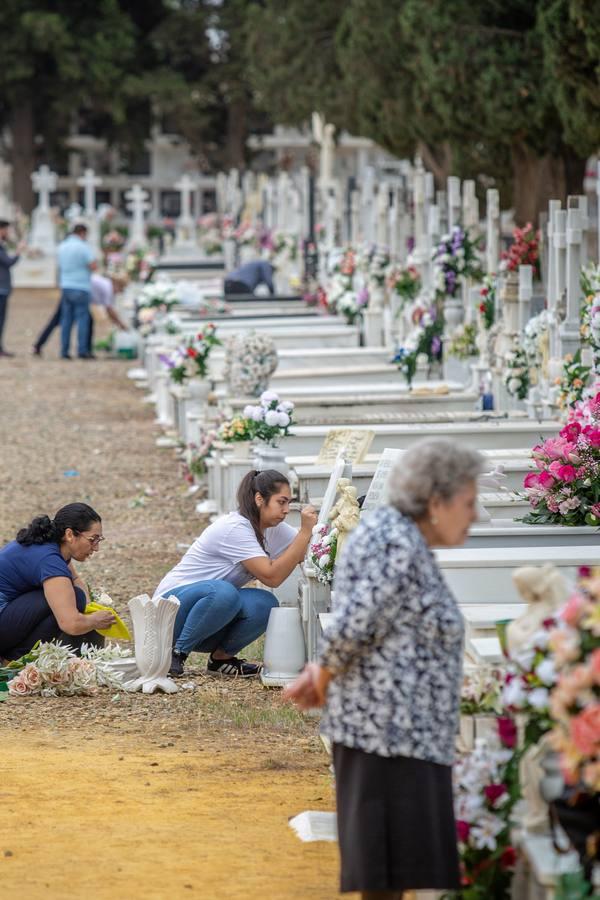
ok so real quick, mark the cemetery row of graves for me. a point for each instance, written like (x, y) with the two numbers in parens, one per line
(400, 313)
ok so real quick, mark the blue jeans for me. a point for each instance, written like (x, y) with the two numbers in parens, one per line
(216, 615)
(75, 308)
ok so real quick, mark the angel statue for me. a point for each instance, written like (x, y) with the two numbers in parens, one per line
(345, 513)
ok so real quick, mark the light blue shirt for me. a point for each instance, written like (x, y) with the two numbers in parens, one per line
(74, 258)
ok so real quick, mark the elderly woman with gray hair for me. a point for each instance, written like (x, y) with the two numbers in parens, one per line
(389, 675)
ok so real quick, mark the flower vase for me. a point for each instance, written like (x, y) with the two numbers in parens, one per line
(453, 315)
(199, 389)
(268, 457)
(153, 623)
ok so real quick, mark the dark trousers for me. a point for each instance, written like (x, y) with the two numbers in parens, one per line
(232, 287)
(3, 309)
(28, 619)
(52, 323)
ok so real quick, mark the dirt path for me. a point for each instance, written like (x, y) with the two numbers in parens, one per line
(128, 796)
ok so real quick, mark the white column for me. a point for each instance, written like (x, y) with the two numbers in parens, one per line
(453, 201)
(470, 205)
(525, 294)
(569, 329)
(492, 243)
(185, 235)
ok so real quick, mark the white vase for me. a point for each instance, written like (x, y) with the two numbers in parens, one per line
(153, 623)
(199, 389)
(285, 652)
(270, 458)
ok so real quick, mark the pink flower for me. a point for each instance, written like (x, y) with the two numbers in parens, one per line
(32, 678)
(572, 611)
(507, 731)
(595, 510)
(565, 645)
(592, 434)
(567, 474)
(595, 665)
(585, 730)
(18, 686)
(555, 466)
(545, 480)
(531, 480)
(571, 432)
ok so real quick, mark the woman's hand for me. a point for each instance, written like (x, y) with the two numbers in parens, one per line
(308, 519)
(310, 687)
(100, 620)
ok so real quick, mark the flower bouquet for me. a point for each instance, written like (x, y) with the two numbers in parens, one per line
(250, 360)
(481, 692)
(575, 698)
(590, 311)
(375, 264)
(485, 793)
(343, 295)
(406, 282)
(159, 295)
(425, 340)
(322, 551)
(197, 454)
(534, 334)
(456, 257)
(572, 384)
(52, 670)
(524, 250)
(516, 377)
(565, 490)
(529, 677)
(272, 418)
(190, 359)
(113, 240)
(487, 305)
(140, 263)
(462, 343)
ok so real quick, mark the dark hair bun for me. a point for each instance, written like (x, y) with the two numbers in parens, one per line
(41, 531)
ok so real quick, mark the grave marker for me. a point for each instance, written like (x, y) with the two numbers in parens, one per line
(355, 444)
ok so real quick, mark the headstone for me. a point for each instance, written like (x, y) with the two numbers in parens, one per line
(525, 294)
(470, 206)
(420, 238)
(569, 329)
(42, 235)
(377, 493)
(137, 204)
(354, 443)
(89, 182)
(367, 204)
(6, 207)
(185, 234)
(382, 203)
(454, 204)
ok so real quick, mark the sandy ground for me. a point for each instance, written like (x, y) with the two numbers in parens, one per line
(130, 796)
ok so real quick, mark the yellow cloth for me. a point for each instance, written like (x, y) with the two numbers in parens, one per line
(118, 631)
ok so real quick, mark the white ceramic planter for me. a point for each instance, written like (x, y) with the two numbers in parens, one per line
(153, 623)
(285, 652)
(270, 458)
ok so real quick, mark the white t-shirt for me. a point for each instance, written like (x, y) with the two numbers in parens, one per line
(102, 290)
(220, 551)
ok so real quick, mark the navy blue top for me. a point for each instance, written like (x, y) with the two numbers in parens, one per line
(6, 261)
(24, 569)
(254, 273)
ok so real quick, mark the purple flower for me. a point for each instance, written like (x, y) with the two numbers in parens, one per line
(362, 297)
(166, 360)
(436, 345)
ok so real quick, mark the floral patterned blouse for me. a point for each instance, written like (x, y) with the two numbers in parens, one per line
(394, 645)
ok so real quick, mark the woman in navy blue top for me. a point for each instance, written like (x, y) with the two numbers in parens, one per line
(41, 595)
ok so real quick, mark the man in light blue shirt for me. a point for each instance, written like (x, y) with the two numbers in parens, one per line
(75, 264)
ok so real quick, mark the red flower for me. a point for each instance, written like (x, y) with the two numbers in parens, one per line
(493, 791)
(463, 830)
(571, 432)
(191, 352)
(508, 860)
(507, 731)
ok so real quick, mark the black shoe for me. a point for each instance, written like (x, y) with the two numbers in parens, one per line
(234, 667)
(177, 660)
(36, 351)
(87, 356)
(66, 357)
(7, 354)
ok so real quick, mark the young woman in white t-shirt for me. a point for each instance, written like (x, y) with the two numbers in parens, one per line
(217, 613)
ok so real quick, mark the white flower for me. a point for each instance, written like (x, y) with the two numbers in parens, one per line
(248, 412)
(317, 529)
(324, 561)
(513, 693)
(513, 385)
(484, 833)
(283, 420)
(546, 671)
(539, 698)
(269, 397)
(272, 418)
(286, 406)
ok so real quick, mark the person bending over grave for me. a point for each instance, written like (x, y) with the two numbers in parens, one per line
(390, 673)
(247, 277)
(218, 614)
(42, 598)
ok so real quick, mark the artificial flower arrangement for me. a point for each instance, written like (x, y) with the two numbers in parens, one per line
(572, 385)
(524, 250)
(575, 697)
(245, 235)
(343, 294)
(462, 344)
(250, 360)
(140, 263)
(481, 692)
(375, 264)
(227, 228)
(455, 257)
(425, 340)
(52, 670)
(516, 376)
(565, 489)
(268, 421)
(159, 295)
(322, 551)
(487, 304)
(590, 311)
(190, 359)
(486, 790)
(197, 454)
(534, 335)
(209, 234)
(279, 247)
(404, 281)
(113, 240)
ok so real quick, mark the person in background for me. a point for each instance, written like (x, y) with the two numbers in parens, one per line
(218, 614)
(7, 261)
(390, 673)
(42, 598)
(102, 296)
(247, 277)
(76, 264)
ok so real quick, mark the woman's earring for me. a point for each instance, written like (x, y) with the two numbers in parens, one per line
(433, 520)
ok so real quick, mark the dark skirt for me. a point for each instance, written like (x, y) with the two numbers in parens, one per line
(396, 825)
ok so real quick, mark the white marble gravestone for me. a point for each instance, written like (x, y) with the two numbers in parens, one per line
(38, 268)
(185, 234)
(89, 181)
(137, 204)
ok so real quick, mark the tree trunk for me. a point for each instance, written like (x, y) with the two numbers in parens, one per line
(437, 160)
(540, 179)
(235, 142)
(22, 154)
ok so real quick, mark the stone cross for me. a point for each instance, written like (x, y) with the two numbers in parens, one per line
(419, 208)
(569, 329)
(525, 294)
(221, 193)
(470, 206)
(6, 211)
(283, 188)
(453, 201)
(354, 216)
(598, 204)
(581, 203)
(186, 187)
(137, 204)
(381, 233)
(559, 253)
(89, 182)
(367, 205)
(44, 182)
(551, 291)
(433, 238)
(492, 242)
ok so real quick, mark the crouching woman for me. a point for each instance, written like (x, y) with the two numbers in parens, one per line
(218, 614)
(42, 598)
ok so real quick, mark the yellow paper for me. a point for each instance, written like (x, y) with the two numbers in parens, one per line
(118, 631)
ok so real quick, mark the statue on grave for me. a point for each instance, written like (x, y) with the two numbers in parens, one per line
(544, 590)
(345, 514)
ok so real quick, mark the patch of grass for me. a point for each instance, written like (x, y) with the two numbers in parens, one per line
(253, 711)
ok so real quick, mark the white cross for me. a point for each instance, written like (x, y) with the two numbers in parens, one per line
(4, 178)
(89, 182)
(137, 204)
(44, 182)
(186, 186)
